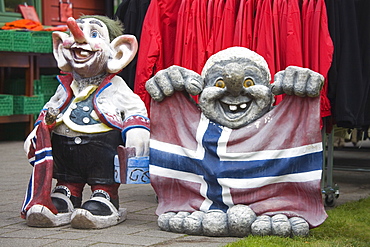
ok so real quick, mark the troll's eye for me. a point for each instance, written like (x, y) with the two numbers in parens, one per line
(248, 82)
(94, 34)
(220, 83)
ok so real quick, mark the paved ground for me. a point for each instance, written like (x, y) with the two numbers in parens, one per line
(140, 228)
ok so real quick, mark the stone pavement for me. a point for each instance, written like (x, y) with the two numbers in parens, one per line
(140, 228)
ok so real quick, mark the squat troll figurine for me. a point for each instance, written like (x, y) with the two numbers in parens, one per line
(235, 165)
(77, 133)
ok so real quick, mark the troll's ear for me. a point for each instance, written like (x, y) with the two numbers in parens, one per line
(58, 38)
(124, 49)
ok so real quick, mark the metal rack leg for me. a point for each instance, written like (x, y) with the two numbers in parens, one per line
(330, 190)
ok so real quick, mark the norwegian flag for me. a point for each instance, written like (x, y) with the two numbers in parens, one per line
(274, 164)
(40, 157)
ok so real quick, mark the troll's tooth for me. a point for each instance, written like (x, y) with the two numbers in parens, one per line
(243, 106)
(84, 53)
(233, 107)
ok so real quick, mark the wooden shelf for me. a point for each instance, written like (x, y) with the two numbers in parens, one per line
(31, 63)
(15, 118)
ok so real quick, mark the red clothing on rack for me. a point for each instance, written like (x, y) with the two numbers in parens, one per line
(188, 32)
(201, 27)
(225, 36)
(157, 43)
(182, 31)
(216, 26)
(293, 49)
(308, 9)
(264, 34)
(322, 51)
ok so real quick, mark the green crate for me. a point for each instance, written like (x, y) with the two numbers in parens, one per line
(6, 40)
(22, 41)
(15, 86)
(6, 105)
(48, 84)
(36, 87)
(28, 104)
(42, 42)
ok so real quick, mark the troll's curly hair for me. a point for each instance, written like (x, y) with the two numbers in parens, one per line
(115, 27)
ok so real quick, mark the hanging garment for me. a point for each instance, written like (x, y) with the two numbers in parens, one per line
(210, 9)
(317, 45)
(272, 28)
(249, 23)
(257, 22)
(308, 10)
(321, 52)
(349, 75)
(200, 24)
(158, 35)
(240, 16)
(216, 26)
(290, 48)
(182, 33)
(225, 37)
(287, 36)
(278, 8)
(131, 13)
(263, 37)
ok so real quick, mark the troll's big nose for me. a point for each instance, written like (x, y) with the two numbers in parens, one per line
(75, 30)
(234, 77)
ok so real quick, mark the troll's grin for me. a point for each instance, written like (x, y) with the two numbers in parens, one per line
(81, 55)
(235, 111)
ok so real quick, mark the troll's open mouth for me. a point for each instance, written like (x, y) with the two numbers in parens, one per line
(234, 111)
(82, 55)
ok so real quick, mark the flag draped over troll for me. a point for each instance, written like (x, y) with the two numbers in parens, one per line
(273, 165)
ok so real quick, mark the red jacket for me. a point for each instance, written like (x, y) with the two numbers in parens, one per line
(317, 45)
(156, 44)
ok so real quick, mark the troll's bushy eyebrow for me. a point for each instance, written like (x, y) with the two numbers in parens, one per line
(96, 22)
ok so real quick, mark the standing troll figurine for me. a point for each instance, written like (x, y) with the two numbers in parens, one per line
(76, 135)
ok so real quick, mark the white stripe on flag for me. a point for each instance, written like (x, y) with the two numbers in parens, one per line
(248, 156)
(43, 159)
(46, 149)
(264, 154)
(182, 151)
(185, 176)
(249, 183)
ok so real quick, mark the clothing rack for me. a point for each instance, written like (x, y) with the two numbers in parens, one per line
(346, 21)
(329, 189)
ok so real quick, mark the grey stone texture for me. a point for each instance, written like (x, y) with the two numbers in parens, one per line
(215, 223)
(280, 225)
(262, 226)
(240, 219)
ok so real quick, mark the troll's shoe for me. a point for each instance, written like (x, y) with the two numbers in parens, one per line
(41, 216)
(96, 213)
